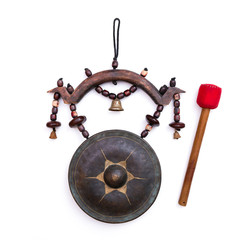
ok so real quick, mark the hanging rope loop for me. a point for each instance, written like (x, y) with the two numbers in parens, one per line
(116, 37)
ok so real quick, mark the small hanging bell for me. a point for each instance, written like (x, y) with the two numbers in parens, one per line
(176, 135)
(116, 105)
(53, 134)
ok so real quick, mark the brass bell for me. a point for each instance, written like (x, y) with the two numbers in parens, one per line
(176, 135)
(116, 105)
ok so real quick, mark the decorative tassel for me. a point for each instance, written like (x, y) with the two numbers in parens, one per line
(176, 135)
(53, 134)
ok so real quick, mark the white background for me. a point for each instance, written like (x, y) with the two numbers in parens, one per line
(195, 41)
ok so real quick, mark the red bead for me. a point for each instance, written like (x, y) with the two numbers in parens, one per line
(120, 95)
(127, 93)
(144, 133)
(177, 118)
(54, 110)
(133, 89)
(112, 96)
(160, 108)
(85, 133)
(56, 95)
(105, 93)
(60, 82)
(53, 117)
(163, 89)
(176, 111)
(157, 114)
(98, 89)
(88, 72)
(176, 103)
(115, 64)
(81, 128)
(70, 89)
(172, 82)
(73, 107)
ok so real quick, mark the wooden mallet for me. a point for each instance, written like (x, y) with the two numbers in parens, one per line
(208, 98)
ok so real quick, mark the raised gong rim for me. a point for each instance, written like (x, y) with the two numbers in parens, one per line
(152, 196)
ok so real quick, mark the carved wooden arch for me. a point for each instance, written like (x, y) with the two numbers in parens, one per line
(116, 75)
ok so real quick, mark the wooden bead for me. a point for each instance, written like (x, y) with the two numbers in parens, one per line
(55, 103)
(77, 121)
(56, 95)
(85, 133)
(173, 82)
(54, 110)
(127, 93)
(133, 89)
(73, 107)
(157, 114)
(144, 133)
(144, 72)
(105, 93)
(53, 117)
(176, 111)
(112, 96)
(81, 128)
(152, 120)
(160, 108)
(176, 96)
(120, 95)
(88, 72)
(148, 127)
(74, 114)
(60, 82)
(70, 89)
(115, 64)
(98, 89)
(177, 118)
(176, 103)
(163, 89)
(177, 125)
(53, 124)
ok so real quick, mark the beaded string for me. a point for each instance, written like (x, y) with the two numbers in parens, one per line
(153, 120)
(120, 95)
(53, 117)
(77, 121)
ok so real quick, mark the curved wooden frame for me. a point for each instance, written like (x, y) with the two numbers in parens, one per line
(116, 75)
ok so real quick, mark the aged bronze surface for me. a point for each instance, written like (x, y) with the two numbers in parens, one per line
(114, 176)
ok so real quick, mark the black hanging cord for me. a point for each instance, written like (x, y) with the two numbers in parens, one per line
(116, 41)
(115, 44)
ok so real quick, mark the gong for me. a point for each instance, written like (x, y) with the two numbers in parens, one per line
(114, 176)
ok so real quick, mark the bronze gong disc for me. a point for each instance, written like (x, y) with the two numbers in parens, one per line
(114, 176)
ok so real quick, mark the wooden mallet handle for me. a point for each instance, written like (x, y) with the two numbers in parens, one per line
(208, 98)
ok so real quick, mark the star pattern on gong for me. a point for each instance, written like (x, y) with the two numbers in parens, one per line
(108, 189)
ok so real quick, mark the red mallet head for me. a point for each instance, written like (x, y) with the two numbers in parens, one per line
(209, 96)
